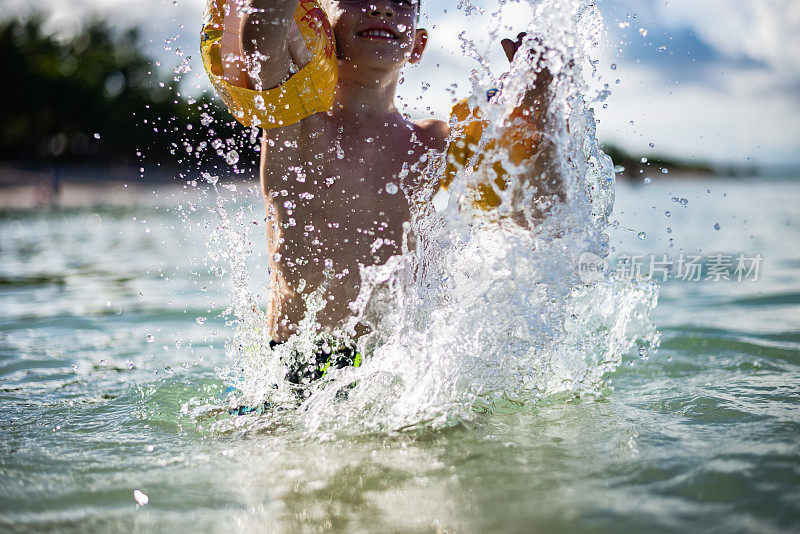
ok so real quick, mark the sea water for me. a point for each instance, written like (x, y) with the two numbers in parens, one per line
(108, 331)
(502, 392)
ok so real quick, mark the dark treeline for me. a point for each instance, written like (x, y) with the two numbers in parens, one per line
(636, 168)
(97, 96)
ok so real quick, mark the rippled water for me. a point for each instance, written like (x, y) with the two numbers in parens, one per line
(102, 354)
(500, 391)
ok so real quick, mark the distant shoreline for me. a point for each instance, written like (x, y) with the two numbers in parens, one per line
(20, 174)
(26, 187)
(31, 186)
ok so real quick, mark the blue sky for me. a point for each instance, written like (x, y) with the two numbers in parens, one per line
(716, 80)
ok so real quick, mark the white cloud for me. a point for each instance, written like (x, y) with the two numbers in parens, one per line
(743, 102)
(764, 30)
(700, 122)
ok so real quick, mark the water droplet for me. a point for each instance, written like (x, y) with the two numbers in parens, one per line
(200, 320)
(232, 157)
(681, 201)
(141, 498)
(613, 66)
(168, 368)
(716, 226)
(150, 338)
(641, 235)
(667, 213)
(184, 67)
(97, 136)
(391, 188)
(643, 32)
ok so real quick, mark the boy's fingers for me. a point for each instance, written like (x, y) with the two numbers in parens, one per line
(509, 47)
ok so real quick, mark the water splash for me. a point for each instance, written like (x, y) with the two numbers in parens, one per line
(488, 307)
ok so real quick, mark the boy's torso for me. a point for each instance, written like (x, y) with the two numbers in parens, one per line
(334, 189)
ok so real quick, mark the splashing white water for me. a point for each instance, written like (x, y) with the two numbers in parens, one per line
(488, 307)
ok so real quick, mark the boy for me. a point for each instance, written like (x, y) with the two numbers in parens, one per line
(331, 181)
(347, 160)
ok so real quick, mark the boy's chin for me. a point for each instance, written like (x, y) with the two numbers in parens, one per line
(374, 59)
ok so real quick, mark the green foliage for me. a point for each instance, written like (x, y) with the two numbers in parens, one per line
(59, 93)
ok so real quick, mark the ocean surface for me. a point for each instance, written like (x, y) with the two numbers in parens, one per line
(113, 331)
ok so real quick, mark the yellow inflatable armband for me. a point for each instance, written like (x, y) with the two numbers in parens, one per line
(520, 138)
(308, 91)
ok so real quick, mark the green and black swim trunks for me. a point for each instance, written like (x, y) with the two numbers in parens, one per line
(331, 353)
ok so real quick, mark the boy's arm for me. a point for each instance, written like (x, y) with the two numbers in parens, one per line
(265, 33)
(529, 118)
(525, 135)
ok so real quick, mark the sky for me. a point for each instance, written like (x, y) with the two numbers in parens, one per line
(713, 80)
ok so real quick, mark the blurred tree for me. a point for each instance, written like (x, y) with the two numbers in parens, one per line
(96, 95)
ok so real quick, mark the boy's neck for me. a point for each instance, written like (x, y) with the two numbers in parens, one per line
(365, 95)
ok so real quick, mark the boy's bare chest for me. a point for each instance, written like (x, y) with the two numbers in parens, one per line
(330, 169)
(348, 192)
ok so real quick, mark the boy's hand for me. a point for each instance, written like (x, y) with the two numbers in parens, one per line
(510, 47)
(543, 76)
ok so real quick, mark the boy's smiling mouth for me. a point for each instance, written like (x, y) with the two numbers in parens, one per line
(378, 33)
